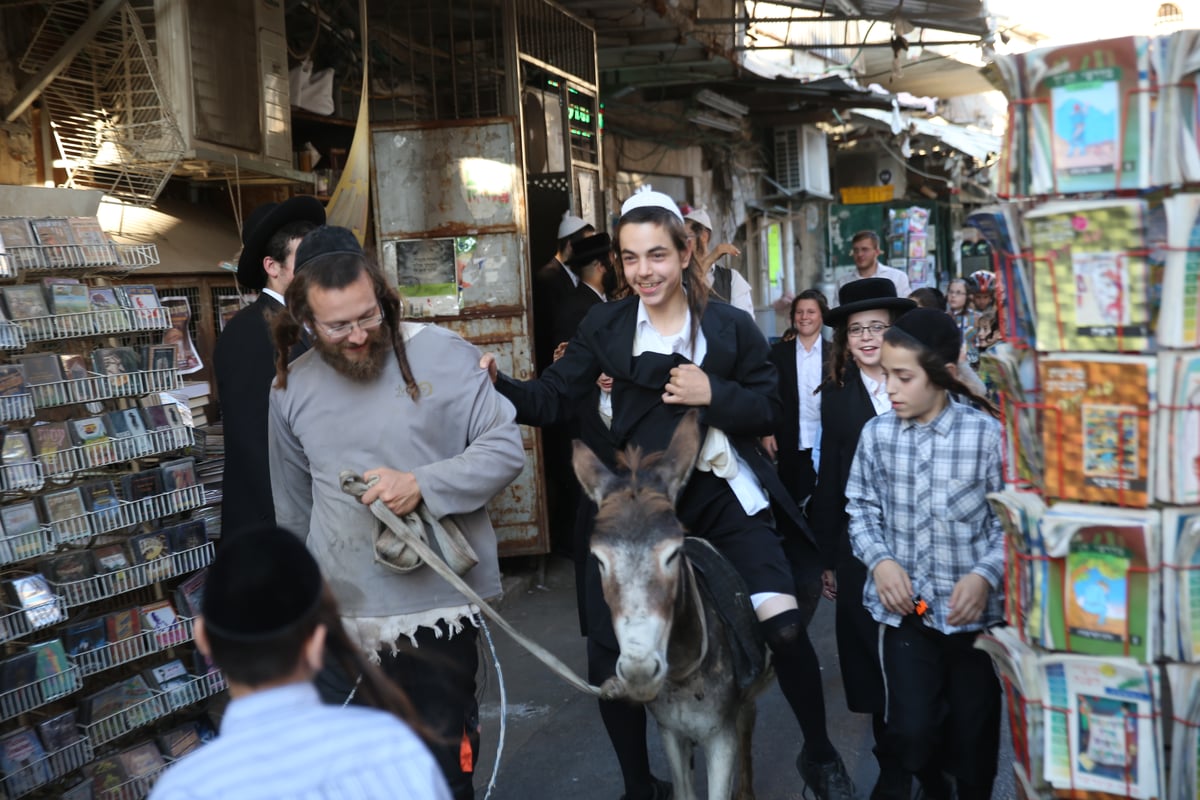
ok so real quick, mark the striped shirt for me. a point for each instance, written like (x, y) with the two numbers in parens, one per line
(284, 744)
(917, 494)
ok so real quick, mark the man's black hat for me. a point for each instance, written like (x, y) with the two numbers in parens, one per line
(866, 294)
(326, 240)
(585, 251)
(934, 330)
(260, 585)
(261, 225)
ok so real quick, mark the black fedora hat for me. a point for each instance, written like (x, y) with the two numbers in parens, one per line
(866, 294)
(585, 251)
(261, 225)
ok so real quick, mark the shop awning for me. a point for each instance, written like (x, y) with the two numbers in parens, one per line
(972, 141)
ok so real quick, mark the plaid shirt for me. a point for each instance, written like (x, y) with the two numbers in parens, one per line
(917, 494)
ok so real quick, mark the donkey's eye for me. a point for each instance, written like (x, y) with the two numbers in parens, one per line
(674, 555)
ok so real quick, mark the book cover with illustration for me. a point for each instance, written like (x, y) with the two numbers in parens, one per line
(1103, 593)
(1097, 427)
(1092, 276)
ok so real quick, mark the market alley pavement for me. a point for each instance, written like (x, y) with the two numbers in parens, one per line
(555, 745)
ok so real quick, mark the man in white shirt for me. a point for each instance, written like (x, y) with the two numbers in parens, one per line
(864, 247)
(726, 283)
(263, 624)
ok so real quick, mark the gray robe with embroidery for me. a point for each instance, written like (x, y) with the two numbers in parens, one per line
(459, 440)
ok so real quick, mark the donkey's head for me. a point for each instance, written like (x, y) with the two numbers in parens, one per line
(639, 543)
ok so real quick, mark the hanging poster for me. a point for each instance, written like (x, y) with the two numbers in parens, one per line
(187, 360)
(425, 274)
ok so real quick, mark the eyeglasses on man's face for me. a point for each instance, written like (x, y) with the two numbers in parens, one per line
(875, 329)
(341, 330)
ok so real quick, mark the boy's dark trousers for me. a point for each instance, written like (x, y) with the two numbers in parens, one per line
(943, 706)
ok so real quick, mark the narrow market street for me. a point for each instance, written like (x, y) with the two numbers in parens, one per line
(555, 744)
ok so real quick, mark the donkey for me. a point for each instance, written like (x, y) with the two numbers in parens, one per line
(675, 655)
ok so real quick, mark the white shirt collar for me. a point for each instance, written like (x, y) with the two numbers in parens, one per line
(274, 294)
(646, 338)
(570, 273)
(601, 295)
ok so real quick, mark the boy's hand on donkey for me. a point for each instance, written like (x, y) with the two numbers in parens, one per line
(968, 599)
(895, 589)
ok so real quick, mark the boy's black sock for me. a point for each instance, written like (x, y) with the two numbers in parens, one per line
(625, 724)
(799, 675)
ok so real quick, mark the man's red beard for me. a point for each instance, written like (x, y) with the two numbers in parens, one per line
(368, 366)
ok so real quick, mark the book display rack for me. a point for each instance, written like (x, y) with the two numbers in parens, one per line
(1098, 381)
(101, 562)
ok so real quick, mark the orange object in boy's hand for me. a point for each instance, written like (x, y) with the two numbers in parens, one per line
(894, 586)
(968, 599)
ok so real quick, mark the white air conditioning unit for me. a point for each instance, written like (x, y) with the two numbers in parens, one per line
(224, 65)
(802, 160)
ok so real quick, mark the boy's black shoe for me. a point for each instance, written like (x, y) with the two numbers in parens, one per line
(659, 790)
(828, 779)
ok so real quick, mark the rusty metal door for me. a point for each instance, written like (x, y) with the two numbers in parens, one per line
(450, 222)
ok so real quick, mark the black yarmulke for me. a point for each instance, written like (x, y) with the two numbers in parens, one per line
(593, 248)
(935, 330)
(326, 240)
(260, 585)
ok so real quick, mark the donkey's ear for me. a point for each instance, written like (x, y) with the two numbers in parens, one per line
(596, 479)
(677, 462)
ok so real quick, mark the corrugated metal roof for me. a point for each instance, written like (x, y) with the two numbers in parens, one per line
(971, 141)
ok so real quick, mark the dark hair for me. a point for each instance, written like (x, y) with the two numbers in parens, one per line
(337, 271)
(264, 660)
(809, 294)
(281, 240)
(574, 238)
(929, 297)
(694, 283)
(872, 235)
(841, 358)
(935, 368)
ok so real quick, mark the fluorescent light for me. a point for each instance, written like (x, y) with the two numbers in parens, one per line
(714, 121)
(721, 103)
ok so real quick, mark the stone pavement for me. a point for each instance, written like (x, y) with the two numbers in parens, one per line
(555, 745)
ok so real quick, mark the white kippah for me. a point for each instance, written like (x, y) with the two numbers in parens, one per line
(646, 197)
(699, 215)
(570, 224)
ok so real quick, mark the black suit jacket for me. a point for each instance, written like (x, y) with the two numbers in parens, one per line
(745, 397)
(551, 286)
(787, 427)
(244, 362)
(844, 411)
(574, 308)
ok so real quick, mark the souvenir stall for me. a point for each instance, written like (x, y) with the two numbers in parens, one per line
(1098, 378)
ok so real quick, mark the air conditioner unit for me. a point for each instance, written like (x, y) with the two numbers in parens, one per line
(224, 66)
(802, 160)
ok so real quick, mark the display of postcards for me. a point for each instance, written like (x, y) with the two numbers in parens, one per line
(137, 485)
(20, 520)
(102, 704)
(16, 233)
(160, 616)
(50, 438)
(189, 594)
(118, 426)
(52, 665)
(107, 774)
(41, 368)
(143, 299)
(187, 535)
(89, 431)
(141, 760)
(156, 417)
(135, 422)
(179, 741)
(12, 380)
(85, 636)
(135, 690)
(18, 671)
(75, 366)
(23, 761)
(122, 627)
(179, 474)
(33, 595)
(25, 301)
(159, 356)
(99, 495)
(80, 791)
(64, 505)
(94, 244)
(54, 235)
(118, 363)
(65, 299)
(16, 448)
(110, 558)
(170, 675)
(68, 567)
(60, 731)
(151, 548)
